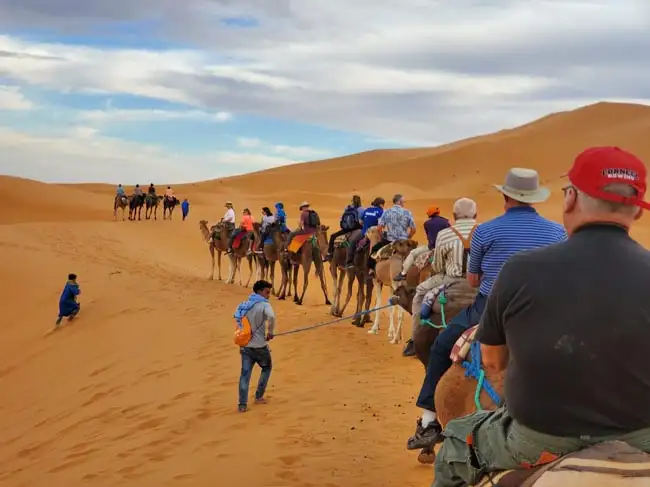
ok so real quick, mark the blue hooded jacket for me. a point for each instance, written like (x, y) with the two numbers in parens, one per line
(281, 216)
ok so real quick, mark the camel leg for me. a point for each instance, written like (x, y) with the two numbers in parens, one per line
(335, 286)
(360, 290)
(369, 286)
(292, 271)
(320, 270)
(250, 269)
(295, 282)
(349, 295)
(219, 262)
(375, 326)
(232, 267)
(305, 282)
(271, 268)
(212, 267)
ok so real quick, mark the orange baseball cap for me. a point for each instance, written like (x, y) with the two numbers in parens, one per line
(432, 210)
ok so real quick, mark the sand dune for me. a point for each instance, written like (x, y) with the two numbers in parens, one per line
(141, 390)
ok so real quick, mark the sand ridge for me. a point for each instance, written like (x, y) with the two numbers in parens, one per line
(141, 390)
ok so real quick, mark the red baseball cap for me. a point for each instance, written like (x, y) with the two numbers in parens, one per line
(597, 167)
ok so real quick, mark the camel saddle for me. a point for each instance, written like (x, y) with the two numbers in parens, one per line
(215, 231)
(342, 240)
(607, 464)
(462, 346)
(384, 253)
(423, 260)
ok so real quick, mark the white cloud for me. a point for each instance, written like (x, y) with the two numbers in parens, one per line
(152, 115)
(81, 154)
(11, 98)
(420, 72)
(299, 153)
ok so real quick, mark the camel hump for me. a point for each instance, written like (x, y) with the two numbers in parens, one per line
(607, 464)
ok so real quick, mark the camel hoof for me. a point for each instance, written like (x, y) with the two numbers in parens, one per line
(281, 298)
(427, 456)
(299, 303)
(373, 331)
(357, 324)
(328, 302)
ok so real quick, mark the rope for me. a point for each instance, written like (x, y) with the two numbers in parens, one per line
(442, 299)
(473, 369)
(391, 302)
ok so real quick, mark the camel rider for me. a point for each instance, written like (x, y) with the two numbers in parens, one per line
(571, 322)
(450, 260)
(267, 220)
(351, 221)
(395, 224)
(229, 216)
(246, 225)
(520, 228)
(169, 194)
(281, 216)
(137, 190)
(370, 218)
(119, 192)
(309, 222)
(432, 226)
(151, 190)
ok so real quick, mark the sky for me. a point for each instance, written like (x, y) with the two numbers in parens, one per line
(178, 91)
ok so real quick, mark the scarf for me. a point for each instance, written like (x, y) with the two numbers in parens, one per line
(246, 306)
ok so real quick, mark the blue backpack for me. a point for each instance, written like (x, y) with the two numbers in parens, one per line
(350, 219)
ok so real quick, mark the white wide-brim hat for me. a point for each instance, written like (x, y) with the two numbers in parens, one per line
(523, 185)
(303, 204)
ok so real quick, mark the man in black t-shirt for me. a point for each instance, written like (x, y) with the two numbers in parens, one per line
(572, 323)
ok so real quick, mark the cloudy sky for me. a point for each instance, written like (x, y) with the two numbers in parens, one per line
(169, 90)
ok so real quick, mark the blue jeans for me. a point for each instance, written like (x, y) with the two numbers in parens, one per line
(439, 361)
(250, 357)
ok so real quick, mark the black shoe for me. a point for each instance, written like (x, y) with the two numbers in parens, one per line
(425, 437)
(399, 277)
(328, 258)
(409, 349)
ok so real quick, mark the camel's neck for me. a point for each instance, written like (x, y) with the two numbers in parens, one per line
(205, 232)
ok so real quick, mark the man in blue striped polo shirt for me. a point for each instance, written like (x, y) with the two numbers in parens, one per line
(493, 243)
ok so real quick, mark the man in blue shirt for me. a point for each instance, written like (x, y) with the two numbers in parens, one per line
(493, 243)
(371, 216)
(185, 208)
(68, 305)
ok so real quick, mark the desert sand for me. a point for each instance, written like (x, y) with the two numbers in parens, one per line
(142, 388)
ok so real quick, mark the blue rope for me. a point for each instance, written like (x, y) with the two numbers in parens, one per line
(474, 369)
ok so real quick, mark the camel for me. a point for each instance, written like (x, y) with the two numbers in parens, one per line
(136, 202)
(120, 202)
(384, 272)
(268, 257)
(169, 204)
(151, 206)
(280, 241)
(217, 244)
(237, 256)
(337, 272)
(310, 252)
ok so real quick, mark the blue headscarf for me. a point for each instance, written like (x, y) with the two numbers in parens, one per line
(246, 306)
(281, 216)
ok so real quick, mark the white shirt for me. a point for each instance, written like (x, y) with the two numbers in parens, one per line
(229, 216)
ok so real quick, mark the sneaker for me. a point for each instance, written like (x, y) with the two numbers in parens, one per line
(399, 277)
(327, 258)
(409, 349)
(242, 408)
(261, 400)
(425, 437)
(58, 321)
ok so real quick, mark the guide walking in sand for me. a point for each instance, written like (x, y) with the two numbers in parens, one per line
(252, 317)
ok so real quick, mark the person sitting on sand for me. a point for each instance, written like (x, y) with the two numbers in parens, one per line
(267, 220)
(185, 208)
(245, 226)
(259, 313)
(68, 305)
(432, 226)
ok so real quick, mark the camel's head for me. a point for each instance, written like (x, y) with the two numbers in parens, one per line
(324, 228)
(404, 295)
(203, 223)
